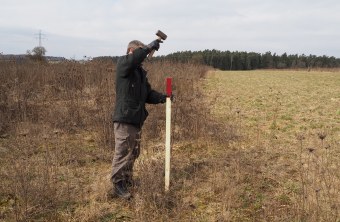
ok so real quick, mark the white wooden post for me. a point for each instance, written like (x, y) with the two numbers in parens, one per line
(168, 134)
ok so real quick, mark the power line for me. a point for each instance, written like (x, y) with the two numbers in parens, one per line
(40, 36)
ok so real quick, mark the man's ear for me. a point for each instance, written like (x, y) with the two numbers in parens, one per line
(130, 50)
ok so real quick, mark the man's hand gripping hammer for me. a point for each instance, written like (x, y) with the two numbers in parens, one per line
(161, 36)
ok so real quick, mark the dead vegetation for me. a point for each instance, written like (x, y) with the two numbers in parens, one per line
(242, 151)
(287, 159)
(57, 141)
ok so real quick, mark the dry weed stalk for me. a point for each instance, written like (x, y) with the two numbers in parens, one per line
(319, 183)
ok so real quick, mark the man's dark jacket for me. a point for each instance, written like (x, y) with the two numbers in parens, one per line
(133, 89)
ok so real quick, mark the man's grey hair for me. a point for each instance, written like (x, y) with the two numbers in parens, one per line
(134, 44)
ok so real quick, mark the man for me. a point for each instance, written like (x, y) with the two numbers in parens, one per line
(132, 92)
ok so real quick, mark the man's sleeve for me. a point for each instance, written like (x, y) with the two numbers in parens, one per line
(131, 61)
(154, 97)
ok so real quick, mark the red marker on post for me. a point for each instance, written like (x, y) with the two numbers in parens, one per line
(168, 133)
(168, 87)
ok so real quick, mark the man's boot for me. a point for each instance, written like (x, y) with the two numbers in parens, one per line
(132, 182)
(120, 190)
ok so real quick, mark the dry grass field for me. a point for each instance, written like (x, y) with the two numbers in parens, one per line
(287, 156)
(247, 146)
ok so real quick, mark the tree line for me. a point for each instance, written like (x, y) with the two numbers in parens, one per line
(227, 60)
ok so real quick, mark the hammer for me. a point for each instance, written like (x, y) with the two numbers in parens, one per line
(161, 36)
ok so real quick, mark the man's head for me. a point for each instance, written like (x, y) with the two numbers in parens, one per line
(134, 45)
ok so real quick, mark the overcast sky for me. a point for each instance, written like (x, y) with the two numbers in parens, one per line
(77, 28)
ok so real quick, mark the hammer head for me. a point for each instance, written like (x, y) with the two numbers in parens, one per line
(161, 35)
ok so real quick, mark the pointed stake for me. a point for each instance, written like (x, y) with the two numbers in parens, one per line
(168, 134)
